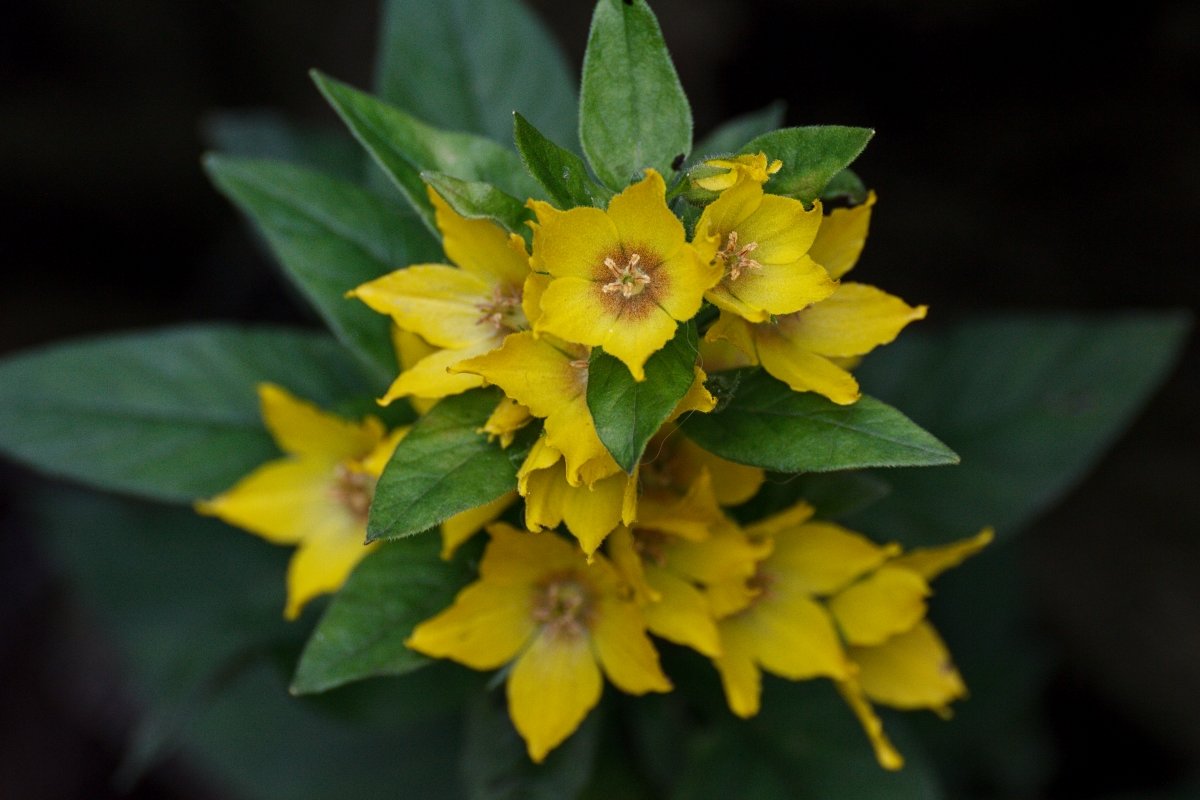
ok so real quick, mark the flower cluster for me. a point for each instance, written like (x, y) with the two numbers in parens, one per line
(600, 556)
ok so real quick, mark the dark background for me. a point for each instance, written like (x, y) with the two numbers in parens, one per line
(1028, 156)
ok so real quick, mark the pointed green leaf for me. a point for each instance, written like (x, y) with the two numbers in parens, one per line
(404, 147)
(267, 134)
(442, 467)
(633, 112)
(330, 236)
(468, 64)
(811, 156)
(494, 764)
(362, 632)
(1030, 402)
(171, 415)
(560, 172)
(768, 425)
(628, 412)
(479, 200)
(729, 137)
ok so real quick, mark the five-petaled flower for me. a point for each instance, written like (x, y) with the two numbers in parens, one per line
(621, 279)
(316, 497)
(559, 620)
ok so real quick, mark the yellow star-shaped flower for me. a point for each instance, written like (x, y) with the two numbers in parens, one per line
(316, 498)
(559, 620)
(621, 279)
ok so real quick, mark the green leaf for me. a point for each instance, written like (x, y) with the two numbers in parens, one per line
(268, 134)
(468, 64)
(560, 172)
(362, 632)
(171, 415)
(330, 236)
(404, 147)
(729, 137)
(768, 425)
(847, 186)
(478, 200)
(495, 766)
(1030, 402)
(811, 156)
(440, 468)
(628, 412)
(633, 111)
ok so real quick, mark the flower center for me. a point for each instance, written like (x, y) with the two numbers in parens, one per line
(737, 260)
(629, 279)
(761, 582)
(503, 311)
(353, 489)
(563, 607)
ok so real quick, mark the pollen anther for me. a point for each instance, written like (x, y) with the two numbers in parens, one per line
(629, 279)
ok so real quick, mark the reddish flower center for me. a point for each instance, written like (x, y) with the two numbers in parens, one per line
(503, 312)
(353, 489)
(629, 278)
(563, 606)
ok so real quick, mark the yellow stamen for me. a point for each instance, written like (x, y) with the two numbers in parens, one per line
(503, 311)
(353, 489)
(563, 607)
(738, 260)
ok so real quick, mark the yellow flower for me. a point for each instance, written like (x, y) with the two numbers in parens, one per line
(674, 462)
(620, 279)
(464, 311)
(561, 622)
(761, 242)
(317, 497)
(807, 349)
(898, 658)
(718, 174)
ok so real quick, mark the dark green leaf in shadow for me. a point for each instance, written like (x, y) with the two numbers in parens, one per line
(171, 415)
(561, 173)
(268, 134)
(330, 236)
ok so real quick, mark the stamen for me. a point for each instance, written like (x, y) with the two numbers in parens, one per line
(651, 546)
(629, 279)
(738, 260)
(563, 607)
(503, 311)
(353, 489)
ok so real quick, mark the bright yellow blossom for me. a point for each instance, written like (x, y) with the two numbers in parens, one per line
(463, 311)
(620, 279)
(316, 497)
(559, 620)
(718, 174)
(761, 242)
(807, 349)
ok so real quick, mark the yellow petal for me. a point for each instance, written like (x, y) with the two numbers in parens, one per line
(503, 423)
(697, 397)
(929, 562)
(431, 377)
(574, 310)
(622, 552)
(788, 520)
(283, 501)
(724, 214)
(720, 355)
(300, 428)
(733, 484)
(822, 557)
(885, 753)
(634, 341)
(750, 167)
(411, 348)
(572, 243)
(776, 289)
(463, 525)
(794, 636)
(885, 603)
(801, 369)
(322, 563)
(909, 671)
(643, 220)
(480, 246)
(621, 644)
(736, 665)
(682, 280)
(531, 297)
(438, 302)
(541, 457)
(855, 320)
(552, 687)
(681, 614)
(738, 332)
(723, 563)
(589, 513)
(484, 629)
(516, 558)
(841, 238)
(375, 461)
